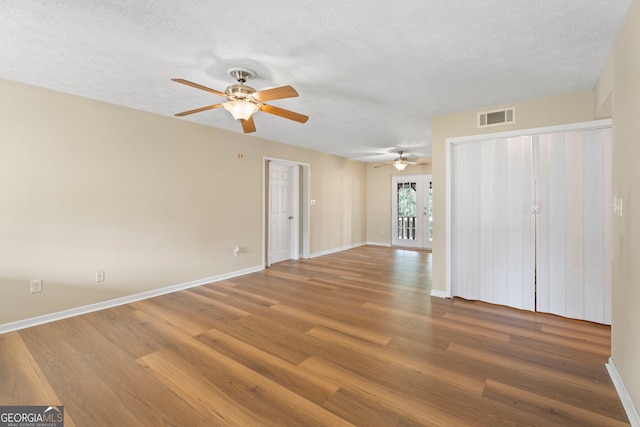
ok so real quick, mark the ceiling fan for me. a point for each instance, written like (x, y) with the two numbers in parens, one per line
(400, 163)
(243, 100)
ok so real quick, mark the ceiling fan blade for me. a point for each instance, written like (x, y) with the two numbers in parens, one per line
(249, 125)
(275, 93)
(197, 86)
(383, 165)
(301, 118)
(197, 110)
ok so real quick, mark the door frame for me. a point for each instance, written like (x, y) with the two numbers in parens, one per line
(450, 142)
(300, 244)
(426, 244)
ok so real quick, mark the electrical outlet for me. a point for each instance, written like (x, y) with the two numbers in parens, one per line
(100, 276)
(236, 251)
(36, 286)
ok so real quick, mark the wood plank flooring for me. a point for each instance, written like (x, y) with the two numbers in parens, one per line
(351, 338)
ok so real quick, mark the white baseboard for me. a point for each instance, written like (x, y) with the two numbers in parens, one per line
(333, 251)
(386, 244)
(439, 293)
(76, 311)
(623, 393)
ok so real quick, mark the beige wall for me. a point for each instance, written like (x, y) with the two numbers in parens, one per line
(555, 110)
(626, 184)
(379, 199)
(602, 92)
(154, 201)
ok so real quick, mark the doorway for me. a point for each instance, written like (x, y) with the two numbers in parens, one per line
(412, 211)
(286, 208)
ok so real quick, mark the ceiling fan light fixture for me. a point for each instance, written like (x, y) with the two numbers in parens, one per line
(400, 164)
(240, 109)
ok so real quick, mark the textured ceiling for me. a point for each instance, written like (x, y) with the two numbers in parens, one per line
(370, 73)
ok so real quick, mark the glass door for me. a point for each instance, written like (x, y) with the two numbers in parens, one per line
(412, 211)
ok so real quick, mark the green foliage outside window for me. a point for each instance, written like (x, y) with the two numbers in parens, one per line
(407, 199)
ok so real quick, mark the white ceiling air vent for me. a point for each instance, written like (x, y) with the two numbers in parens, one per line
(498, 117)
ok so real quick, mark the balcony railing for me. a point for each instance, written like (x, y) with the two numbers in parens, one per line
(407, 227)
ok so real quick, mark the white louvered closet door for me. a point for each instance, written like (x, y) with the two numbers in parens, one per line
(573, 187)
(492, 223)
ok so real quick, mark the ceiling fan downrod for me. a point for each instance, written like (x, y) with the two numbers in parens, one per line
(242, 74)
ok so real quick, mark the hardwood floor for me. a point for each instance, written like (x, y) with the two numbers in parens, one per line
(351, 338)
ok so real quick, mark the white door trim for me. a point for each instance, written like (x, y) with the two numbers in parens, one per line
(426, 244)
(449, 142)
(300, 200)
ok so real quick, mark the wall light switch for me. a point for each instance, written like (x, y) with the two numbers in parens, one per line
(100, 276)
(619, 208)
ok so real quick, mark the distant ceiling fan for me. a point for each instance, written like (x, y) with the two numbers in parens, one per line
(243, 100)
(400, 163)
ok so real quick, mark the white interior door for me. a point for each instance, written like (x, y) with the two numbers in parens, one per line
(281, 213)
(411, 211)
(574, 220)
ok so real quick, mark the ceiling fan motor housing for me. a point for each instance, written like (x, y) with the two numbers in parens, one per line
(239, 91)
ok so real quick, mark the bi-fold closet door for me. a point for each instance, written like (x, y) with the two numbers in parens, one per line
(492, 226)
(530, 222)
